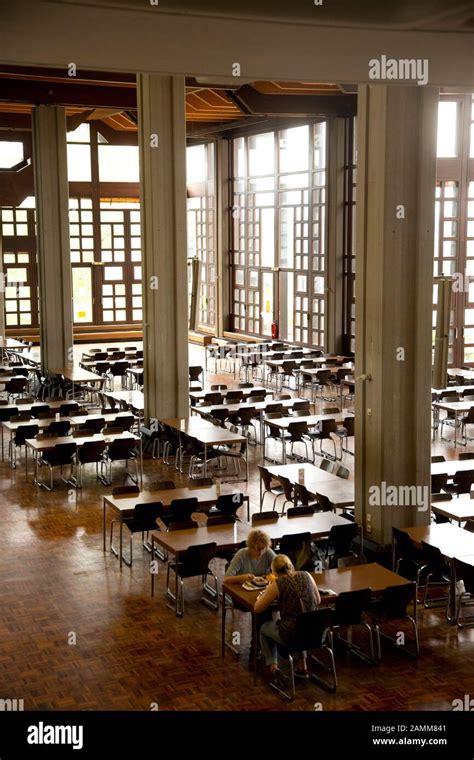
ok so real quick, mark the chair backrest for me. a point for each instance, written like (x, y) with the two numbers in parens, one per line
(163, 485)
(438, 458)
(212, 398)
(24, 432)
(65, 410)
(219, 387)
(220, 520)
(287, 487)
(350, 561)
(20, 418)
(326, 427)
(63, 453)
(342, 472)
(311, 627)
(182, 509)
(233, 396)
(61, 427)
(258, 392)
(82, 432)
(395, 600)
(330, 410)
(327, 465)
(273, 408)
(125, 490)
(441, 497)
(228, 504)
(325, 503)
(268, 516)
(350, 606)
(245, 385)
(299, 511)
(438, 482)
(297, 430)
(433, 558)
(145, 516)
(463, 480)
(341, 538)
(40, 409)
(467, 454)
(348, 423)
(301, 405)
(195, 373)
(297, 547)
(121, 448)
(196, 559)
(282, 396)
(91, 451)
(404, 544)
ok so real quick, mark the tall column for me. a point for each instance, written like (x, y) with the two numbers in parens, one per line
(396, 176)
(52, 217)
(162, 140)
(335, 242)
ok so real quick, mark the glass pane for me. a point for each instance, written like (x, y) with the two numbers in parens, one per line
(267, 237)
(78, 163)
(261, 154)
(113, 273)
(239, 157)
(118, 163)
(11, 153)
(287, 216)
(81, 134)
(447, 129)
(196, 165)
(82, 294)
(286, 305)
(294, 149)
(16, 275)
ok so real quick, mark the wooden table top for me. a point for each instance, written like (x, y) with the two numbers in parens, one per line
(5, 377)
(42, 424)
(454, 406)
(206, 496)
(460, 509)
(332, 368)
(50, 443)
(77, 374)
(200, 395)
(456, 388)
(204, 431)
(259, 406)
(310, 370)
(339, 580)
(449, 539)
(136, 399)
(338, 490)
(225, 536)
(11, 343)
(452, 466)
(311, 419)
(319, 525)
(83, 419)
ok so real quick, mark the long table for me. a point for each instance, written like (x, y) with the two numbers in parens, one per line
(338, 490)
(312, 420)
(339, 580)
(207, 434)
(123, 506)
(460, 509)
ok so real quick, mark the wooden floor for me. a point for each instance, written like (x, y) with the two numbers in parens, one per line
(78, 634)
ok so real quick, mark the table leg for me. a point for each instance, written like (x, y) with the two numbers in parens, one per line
(205, 460)
(283, 454)
(455, 428)
(223, 625)
(255, 646)
(104, 530)
(176, 584)
(3, 450)
(141, 464)
(452, 593)
(121, 544)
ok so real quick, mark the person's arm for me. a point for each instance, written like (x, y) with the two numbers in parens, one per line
(265, 598)
(234, 571)
(318, 596)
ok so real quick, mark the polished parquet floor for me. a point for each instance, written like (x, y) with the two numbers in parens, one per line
(78, 634)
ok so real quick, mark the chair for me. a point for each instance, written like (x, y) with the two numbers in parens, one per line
(234, 397)
(22, 434)
(60, 427)
(393, 606)
(302, 406)
(220, 414)
(326, 429)
(339, 541)
(245, 421)
(438, 458)
(91, 452)
(39, 409)
(465, 421)
(15, 387)
(95, 424)
(328, 465)
(142, 520)
(464, 572)
(297, 547)
(437, 574)
(245, 385)
(194, 562)
(465, 455)
(287, 491)
(118, 369)
(344, 432)
(313, 632)
(410, 561)
(69, 409)
(325, 504)
(287, 371)
(262, 517)
(266, 478)
(179, 510)
(350, 561)
(342, 472)
(194, 374)
(462, 482)
(469, 525)
(122, 449)
(228, 504)
(438, 481)
(297, 432)
(348, 612)
(60, 456)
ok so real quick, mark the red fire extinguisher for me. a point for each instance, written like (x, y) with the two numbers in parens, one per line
(274, 329)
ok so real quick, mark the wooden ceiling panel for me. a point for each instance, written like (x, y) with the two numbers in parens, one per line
(210, 105)
(296, 88)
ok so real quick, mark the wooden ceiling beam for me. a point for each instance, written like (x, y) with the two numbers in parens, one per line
(295, 105)
(68, 93)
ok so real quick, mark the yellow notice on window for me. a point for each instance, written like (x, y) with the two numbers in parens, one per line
(267, 307)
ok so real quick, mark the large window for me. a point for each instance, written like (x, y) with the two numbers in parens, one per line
(350, 178)
(279, 233)
(454, 221)
(17, 227)
(202, 226)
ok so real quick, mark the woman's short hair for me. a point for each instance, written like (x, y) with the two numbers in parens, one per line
(258, 537)
(282, 565)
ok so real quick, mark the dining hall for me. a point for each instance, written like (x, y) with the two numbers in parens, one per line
(237, 356)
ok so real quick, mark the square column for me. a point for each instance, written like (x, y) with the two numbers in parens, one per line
(394, 284)
(52, 221)
(162, 141)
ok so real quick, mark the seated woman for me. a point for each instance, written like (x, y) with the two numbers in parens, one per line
(296, 592)
(253, 561)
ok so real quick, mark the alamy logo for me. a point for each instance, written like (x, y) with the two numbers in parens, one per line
(466, 704)
(399, 496)
(414, 69)
(12, 705)
(42, 734)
